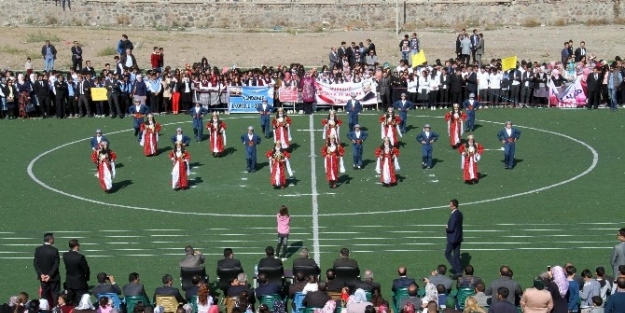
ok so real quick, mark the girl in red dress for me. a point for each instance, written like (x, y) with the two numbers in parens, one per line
(180, 172)
(333, 152)
(104, 158)
(390, 127)
(471, 153)
(387, 163)
(149, 140)
(455, 125)
(279, 164)
(331, 126)
(282, 129)
(217, 132)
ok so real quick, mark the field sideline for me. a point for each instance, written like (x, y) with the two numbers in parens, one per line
(560, 204)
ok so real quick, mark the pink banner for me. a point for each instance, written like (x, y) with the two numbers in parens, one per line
(339, 94)
(287, 94)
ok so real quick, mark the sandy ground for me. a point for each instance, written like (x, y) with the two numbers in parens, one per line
(253, 47)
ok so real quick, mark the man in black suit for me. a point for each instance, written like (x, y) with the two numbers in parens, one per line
(106, 284)
(344, 260)
(270, 261)
(455, 86)
(196, 280)
(333, 285)
(317, 299)
(304, 260)
(266, 288)
(228, 261)
(76, 272)
(76, 56)
(298, 285)
(580, 52)
(42, 91)
(471, 81)
(593, 83)
(46, 264)
(403, 281)
(454, 238)
(82, 94)
(168, 290)
(134, 286)
(371, 47)
(238, 285)
(368, 284)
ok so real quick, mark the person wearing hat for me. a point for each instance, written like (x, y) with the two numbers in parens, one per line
(332, 153)
(508, 137)
(264, 109)
(180, 137)
(331, 126)
(77, 56)
(250, 140)
(197, 113)
(282, 129)
(353, 109)
(455, 121)
(470, 106)
(471, 153)
(104, 158)
(427, 138)
(97, 139)
(150, 130)
(179, 174)
(403, 106)
(217, 132)
(387, 162)
(357, 136)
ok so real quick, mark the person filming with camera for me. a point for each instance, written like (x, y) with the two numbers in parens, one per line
(106, 284)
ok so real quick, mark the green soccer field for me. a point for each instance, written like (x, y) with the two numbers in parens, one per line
(562, 202)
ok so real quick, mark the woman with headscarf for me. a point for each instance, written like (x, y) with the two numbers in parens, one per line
(308, 93)
(536, 299)
(387, 163)
(358, 302)
(180, 172)
(149, 138)
(104, 158)
(558, 286)
(24, 89)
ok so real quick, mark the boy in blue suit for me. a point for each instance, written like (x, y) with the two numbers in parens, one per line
(180, 137)
(95, 140)
(265, 117)
(138, 112)
(357, 137)
(427, 138)
(403, 106)
(508, 137)
(353, 109)
(198, 113)
(250, 140)
(470, 106)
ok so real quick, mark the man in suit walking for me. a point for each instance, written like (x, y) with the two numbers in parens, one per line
(403, 106)
(427, 138)
(508, 137)
(454, 238)
(357, 137)
(192, 258)
(593, 83)
(77, 272)
(46, 264)
(251, 140)
(353, 109)
(618, 253)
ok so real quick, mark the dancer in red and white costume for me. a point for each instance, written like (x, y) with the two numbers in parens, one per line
(455, 125)
(331, 126)
(471, 152)
(217, 131)
(180, 173)
(390, 127)
(104, 158)
(149, 139)
(279, 165)
(388, 163)
(282, 129)
(333, 152)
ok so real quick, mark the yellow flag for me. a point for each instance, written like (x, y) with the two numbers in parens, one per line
(419, 58)
(508, 63)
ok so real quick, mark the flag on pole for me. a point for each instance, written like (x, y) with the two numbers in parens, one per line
(419, 58)
(508, 63)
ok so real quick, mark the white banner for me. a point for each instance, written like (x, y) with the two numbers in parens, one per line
(339, 94)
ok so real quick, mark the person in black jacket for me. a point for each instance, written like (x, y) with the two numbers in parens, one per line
(46, 264)
(168, 290)
(77, 272)
(61, 90)
(270, 261)
(42, 91)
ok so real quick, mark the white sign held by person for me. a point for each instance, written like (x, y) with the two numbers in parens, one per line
(339, 94)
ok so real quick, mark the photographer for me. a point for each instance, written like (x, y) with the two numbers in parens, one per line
(106, 284)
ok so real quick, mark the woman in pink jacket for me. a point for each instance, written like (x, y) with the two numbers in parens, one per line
(284, 227)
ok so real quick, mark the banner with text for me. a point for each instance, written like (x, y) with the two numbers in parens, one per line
(339, 94)
(247, 99)
(287, 94)
(570, 97)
